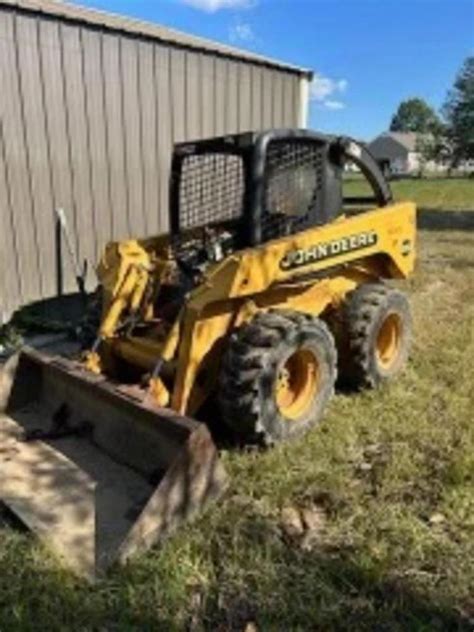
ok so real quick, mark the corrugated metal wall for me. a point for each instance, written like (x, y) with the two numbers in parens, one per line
(87, 121)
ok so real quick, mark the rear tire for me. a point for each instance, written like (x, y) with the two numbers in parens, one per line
(277, 376)
(376, 335)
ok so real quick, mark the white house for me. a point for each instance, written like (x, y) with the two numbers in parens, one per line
(396, 152)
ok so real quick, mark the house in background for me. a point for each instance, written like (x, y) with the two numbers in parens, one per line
(396, 152)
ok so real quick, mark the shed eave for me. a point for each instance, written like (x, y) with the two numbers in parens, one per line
(115, 22)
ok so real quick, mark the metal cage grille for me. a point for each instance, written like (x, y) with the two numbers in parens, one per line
(211, 189)
(294, 177)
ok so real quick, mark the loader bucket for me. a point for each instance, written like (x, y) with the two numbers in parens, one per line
(97, 472)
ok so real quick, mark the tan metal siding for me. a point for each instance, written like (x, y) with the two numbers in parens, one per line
(232, 97)
(208, 103)
(193, 96)
(148, 129)
(220, 96)
(57, 131)
(17, 164)
(82, 213)
(10, 280)
(245, 98)
(277, 98)
(33, 115)
(164, 128)
(178, 94)
(97, 135)
(121, 222)
(87, 121)
(257, 98)
(267, 99)
(296, 100)
(288, 98)
(132, 134)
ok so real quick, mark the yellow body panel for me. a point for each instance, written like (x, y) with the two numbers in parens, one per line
(310, 272)
(123, 271)
(259, 268)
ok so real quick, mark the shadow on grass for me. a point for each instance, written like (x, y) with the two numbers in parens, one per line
(431, 219)
(344, 596)
(317, 590)
(57, 313)
(8, 519)
(37, 594)
(331, 588)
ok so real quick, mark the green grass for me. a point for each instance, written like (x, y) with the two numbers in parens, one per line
(433, 193)
(390, 475)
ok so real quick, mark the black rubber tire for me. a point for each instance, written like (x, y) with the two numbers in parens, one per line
(250, 366)
(363, 313)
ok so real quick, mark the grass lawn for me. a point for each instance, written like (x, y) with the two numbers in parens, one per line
(442, 193)
(385, 485)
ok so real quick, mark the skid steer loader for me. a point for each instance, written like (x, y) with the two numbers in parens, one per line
(263, 289)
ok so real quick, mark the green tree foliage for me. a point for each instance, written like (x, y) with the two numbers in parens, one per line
(459, 112)
(433, 147)
(415, 115)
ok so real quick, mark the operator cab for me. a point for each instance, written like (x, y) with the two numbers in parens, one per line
(244, 190)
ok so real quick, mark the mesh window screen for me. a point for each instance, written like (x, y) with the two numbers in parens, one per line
(294, 180)
(211, 190)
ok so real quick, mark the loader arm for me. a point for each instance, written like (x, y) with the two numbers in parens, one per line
(124, 271)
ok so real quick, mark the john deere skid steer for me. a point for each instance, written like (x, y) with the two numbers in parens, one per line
(262, 292)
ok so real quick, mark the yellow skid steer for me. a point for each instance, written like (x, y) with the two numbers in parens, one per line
(263, 292)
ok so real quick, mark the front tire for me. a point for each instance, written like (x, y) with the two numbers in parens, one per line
(277, 376)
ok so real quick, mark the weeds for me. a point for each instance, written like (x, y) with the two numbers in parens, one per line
(387, 480)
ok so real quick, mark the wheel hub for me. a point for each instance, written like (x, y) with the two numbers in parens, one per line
(297, 383)
(389, 337)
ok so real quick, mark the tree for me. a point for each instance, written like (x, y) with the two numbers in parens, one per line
(415, 115)
(432, 147)
(459, 112)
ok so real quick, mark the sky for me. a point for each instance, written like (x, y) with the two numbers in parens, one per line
(367, 55)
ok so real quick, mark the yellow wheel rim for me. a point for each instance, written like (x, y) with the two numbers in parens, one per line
(388, 341)
(297, 383)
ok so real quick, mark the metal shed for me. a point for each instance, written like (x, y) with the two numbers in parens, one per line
(90, 105)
